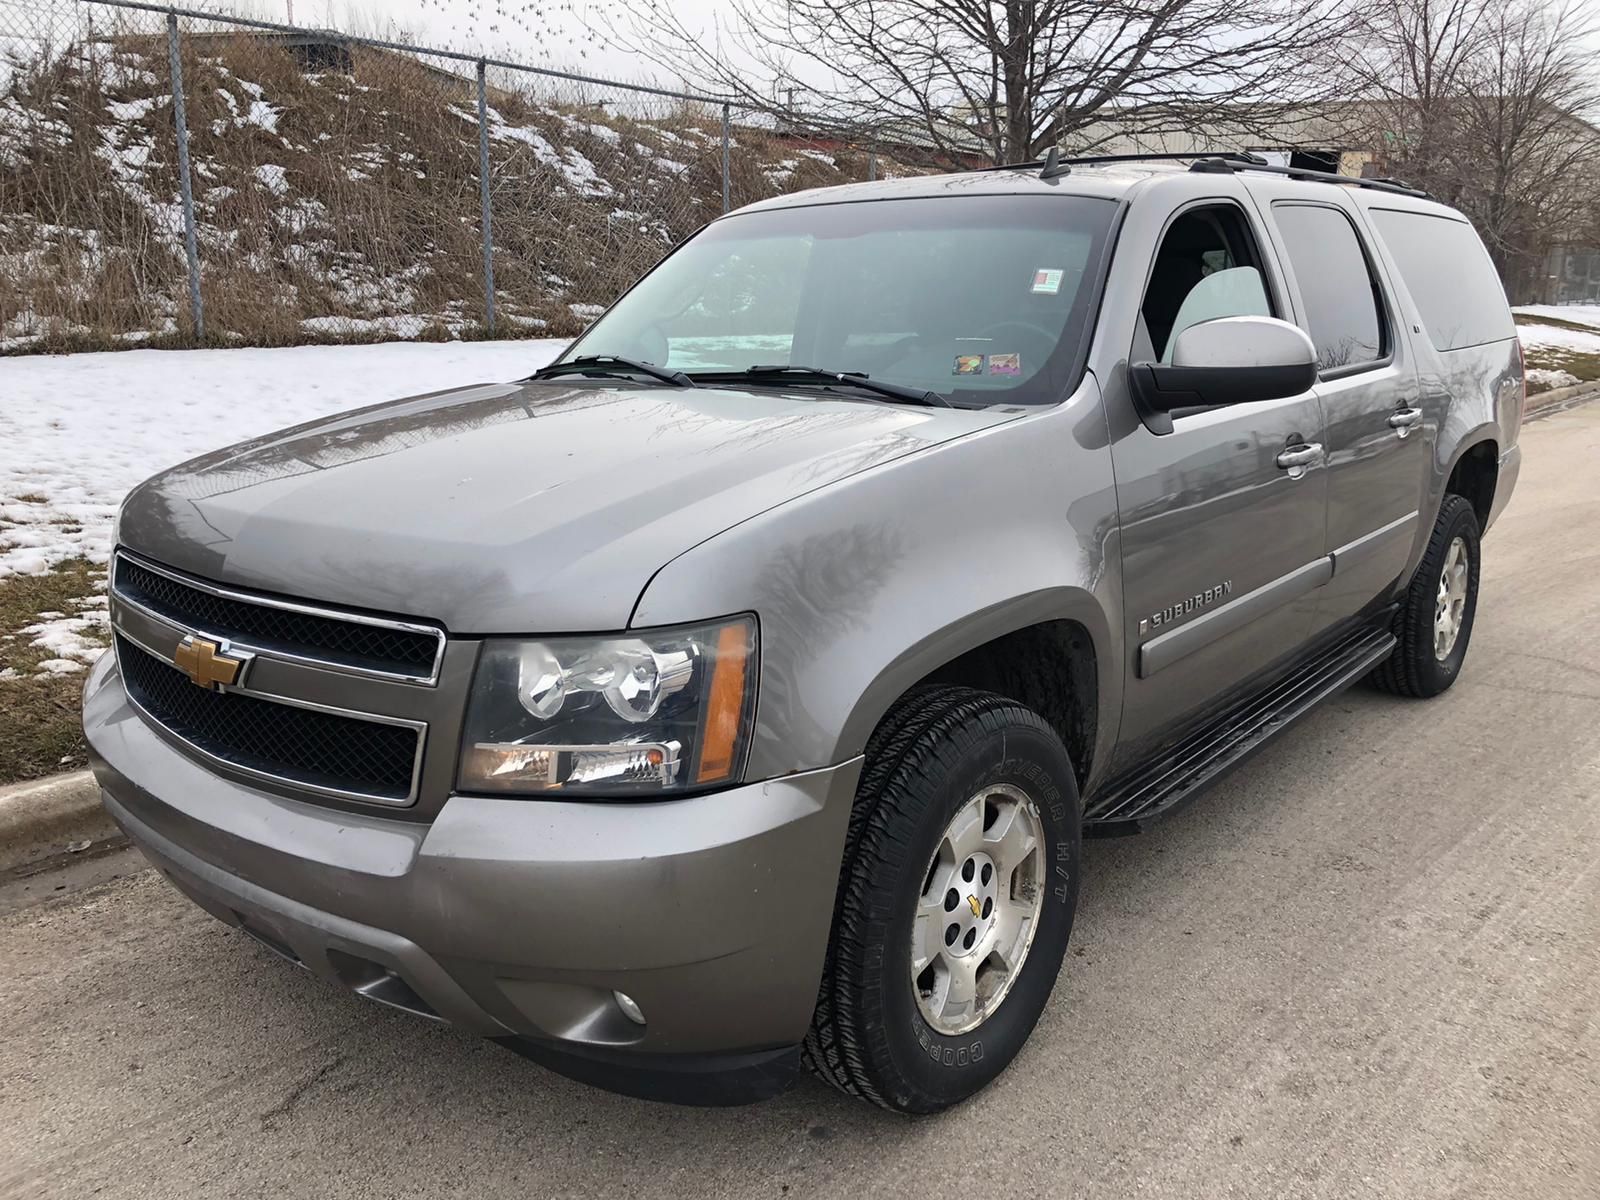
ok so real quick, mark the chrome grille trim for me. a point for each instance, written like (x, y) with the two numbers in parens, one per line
(286, 781)
(274, 651)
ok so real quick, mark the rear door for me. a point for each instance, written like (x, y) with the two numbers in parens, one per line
(1375, 437)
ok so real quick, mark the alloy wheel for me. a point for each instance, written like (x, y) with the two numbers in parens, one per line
(979, 908)
(1451, 604)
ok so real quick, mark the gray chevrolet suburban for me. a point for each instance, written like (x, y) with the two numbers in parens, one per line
(734, 693)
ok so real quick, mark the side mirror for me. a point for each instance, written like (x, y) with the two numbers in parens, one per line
(1228, 360)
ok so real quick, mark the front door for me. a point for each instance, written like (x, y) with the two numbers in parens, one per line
(1222, 518)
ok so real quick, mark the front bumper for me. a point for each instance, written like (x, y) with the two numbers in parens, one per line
(518, 919)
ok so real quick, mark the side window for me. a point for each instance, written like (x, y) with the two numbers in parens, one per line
(1449, 275)
(1207, 267)
(1343, 305)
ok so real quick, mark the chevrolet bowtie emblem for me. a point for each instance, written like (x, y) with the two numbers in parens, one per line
(205, 663)
(972, 903)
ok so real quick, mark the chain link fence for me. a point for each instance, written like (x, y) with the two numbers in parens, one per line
(174, 178)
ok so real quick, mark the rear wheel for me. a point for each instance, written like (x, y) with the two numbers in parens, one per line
(956, 900)
(1434, 624)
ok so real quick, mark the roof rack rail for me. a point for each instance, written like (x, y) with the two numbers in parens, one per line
(1391, 181)
(1054, 160)
(1240, 156)
(1055, 164)
(1228, 164)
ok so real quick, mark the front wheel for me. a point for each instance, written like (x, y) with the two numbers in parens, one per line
(956, 900)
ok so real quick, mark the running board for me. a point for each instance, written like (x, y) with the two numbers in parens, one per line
(1128, 804)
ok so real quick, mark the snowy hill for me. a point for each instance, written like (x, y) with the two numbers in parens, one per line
(340, 203)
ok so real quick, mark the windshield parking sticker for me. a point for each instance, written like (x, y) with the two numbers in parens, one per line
(1047, 282)
(1005, 364)
(968, 364)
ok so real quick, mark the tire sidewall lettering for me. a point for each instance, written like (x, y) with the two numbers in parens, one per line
(944, 1053)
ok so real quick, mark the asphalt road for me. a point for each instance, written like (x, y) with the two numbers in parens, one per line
(1368, 964)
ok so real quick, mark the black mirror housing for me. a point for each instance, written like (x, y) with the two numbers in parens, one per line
(1165, 388)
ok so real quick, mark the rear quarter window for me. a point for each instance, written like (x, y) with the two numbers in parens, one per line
(1449, 275)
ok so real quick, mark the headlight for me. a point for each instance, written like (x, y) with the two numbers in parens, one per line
(661, 710)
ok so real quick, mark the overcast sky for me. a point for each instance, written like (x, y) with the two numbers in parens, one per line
(565, 34)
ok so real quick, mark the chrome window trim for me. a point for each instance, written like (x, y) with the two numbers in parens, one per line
(312, 610)
(288, 781)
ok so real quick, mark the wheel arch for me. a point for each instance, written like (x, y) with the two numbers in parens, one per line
(1050, 651)
(1474, 474)
(1472, 471)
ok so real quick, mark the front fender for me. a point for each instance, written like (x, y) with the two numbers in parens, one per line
(866, 586)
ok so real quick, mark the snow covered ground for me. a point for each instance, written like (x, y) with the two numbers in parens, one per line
(77, 431)
(1545, 378)
(1577, 314)
(1550, 327)
(1559, 339)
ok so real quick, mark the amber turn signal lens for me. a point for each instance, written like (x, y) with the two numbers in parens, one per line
(723, 710)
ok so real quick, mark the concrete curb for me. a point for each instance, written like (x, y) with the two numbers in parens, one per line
(1561, 397)
(44, 816)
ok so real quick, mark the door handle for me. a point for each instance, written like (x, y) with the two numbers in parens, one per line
(1296, 458)
(1402, 419)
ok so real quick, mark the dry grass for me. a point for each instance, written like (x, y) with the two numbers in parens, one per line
(340, 205)
(1558, 322)
(40, 724)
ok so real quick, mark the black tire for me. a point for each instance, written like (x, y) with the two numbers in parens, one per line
(935, 750)
(1414, 669)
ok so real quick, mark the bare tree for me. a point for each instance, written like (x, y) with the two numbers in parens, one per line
(1010, 76)
(1537, 158)
(1412, 59)
(1486, 104)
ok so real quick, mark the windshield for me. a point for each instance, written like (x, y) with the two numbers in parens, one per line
(981, 299)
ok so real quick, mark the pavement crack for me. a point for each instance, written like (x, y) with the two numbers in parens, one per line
(296, 1093)
(1533, 689)
(1558, 661)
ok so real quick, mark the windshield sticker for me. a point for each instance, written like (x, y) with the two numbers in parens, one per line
(1047, 282)
(969, 364)
(1005, 364)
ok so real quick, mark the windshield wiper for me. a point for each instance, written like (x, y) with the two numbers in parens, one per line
(856, 379)
(598, 364)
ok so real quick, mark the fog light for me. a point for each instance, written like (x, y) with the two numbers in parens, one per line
(629, 1008)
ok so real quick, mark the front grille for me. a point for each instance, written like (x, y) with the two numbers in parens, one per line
(330, 639)
(300, 745)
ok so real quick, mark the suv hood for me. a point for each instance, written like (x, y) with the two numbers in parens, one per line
(508, 508)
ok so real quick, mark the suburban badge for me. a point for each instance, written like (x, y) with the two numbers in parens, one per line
(1184, 607)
